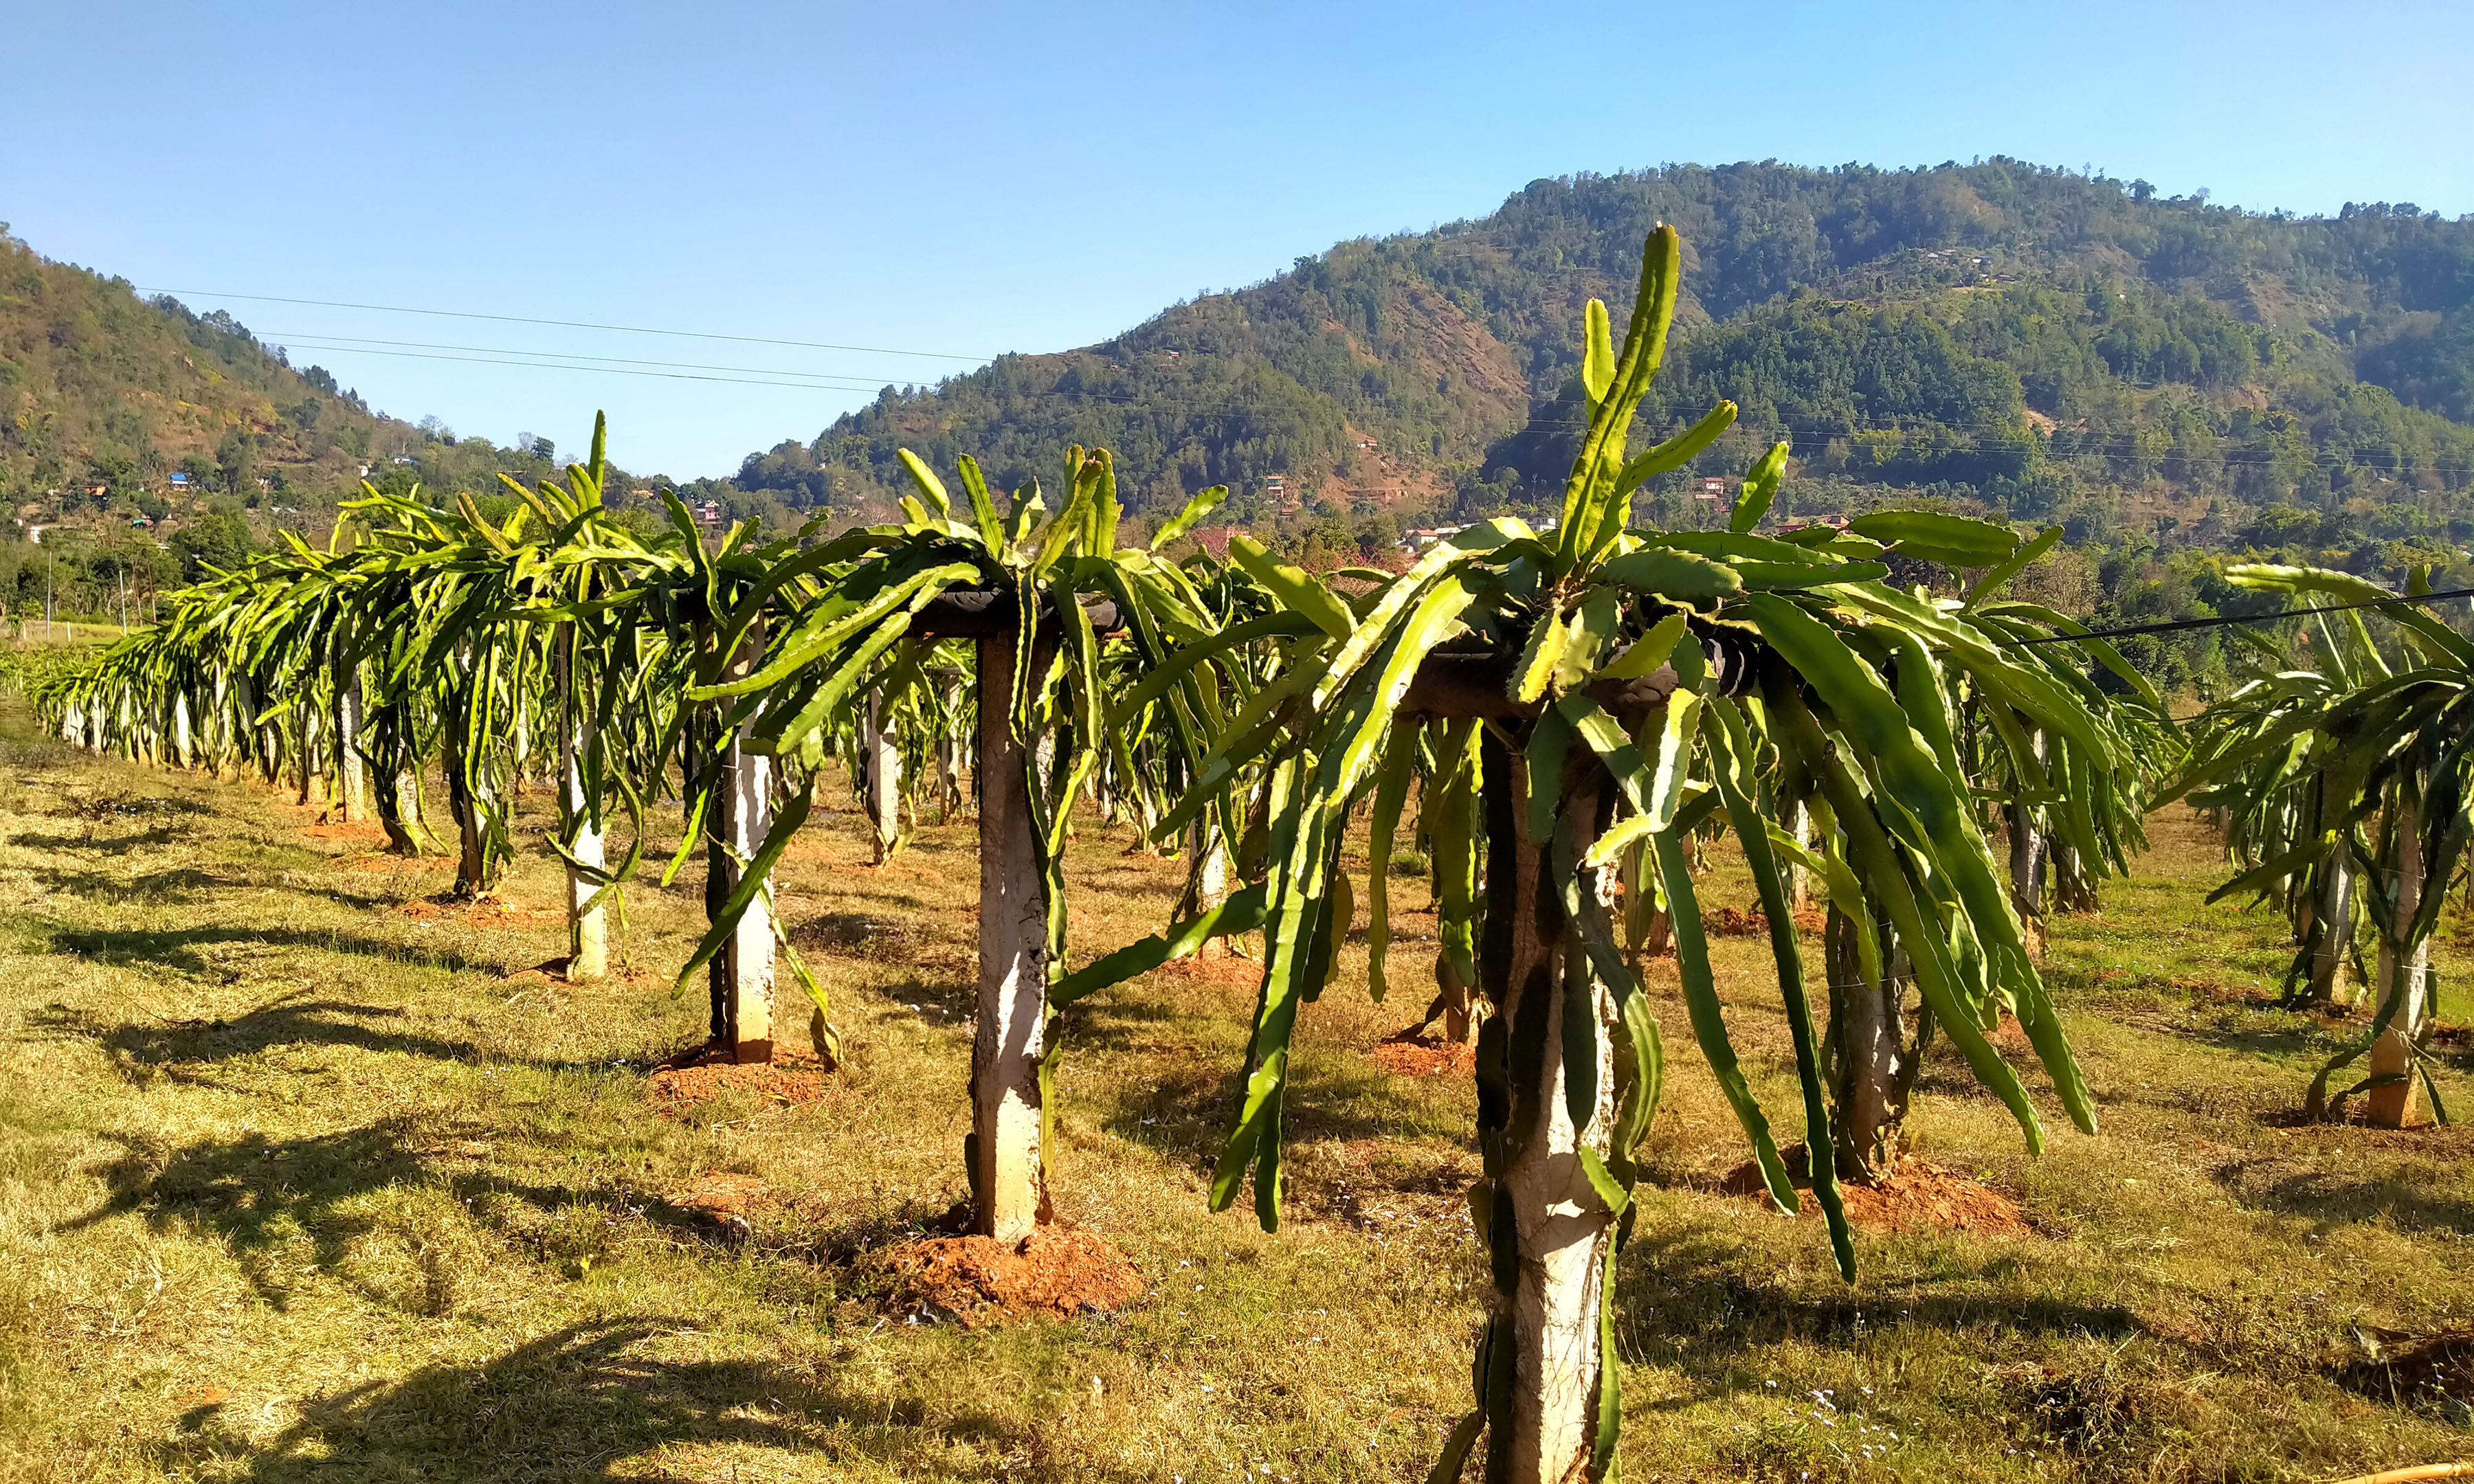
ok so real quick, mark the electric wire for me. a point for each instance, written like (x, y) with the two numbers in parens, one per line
(573, 324)
(607, 371)
(2102, 446)
(312, 341)
(2179, 625)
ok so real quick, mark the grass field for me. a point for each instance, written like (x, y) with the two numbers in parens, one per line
(295, 1185)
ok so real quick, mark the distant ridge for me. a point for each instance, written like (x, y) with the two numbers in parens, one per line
(2001, 331)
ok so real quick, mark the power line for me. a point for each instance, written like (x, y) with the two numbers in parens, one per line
(573, 324)
(2097, 444)
(2178, 625)
(2086, 442)
(305, 339)
(606, 371)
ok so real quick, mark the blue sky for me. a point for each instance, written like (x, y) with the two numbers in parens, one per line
(970, 179)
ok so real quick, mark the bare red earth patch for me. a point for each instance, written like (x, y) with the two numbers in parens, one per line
(891, 869)
(1729, 922)
(1057, 1271)
(699, 1076)
(1422, 1056)
(1914, 1196)
(554, 971)
(379, 861)
(339, 832)
(1228, 969)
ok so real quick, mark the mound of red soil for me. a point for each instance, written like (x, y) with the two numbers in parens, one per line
(1728, 922)
(1228, 969)
(1428, 1055)
(719, 1193)
(1914, 1196)
(1057, 1271)
(488, 912)
(707, 1072)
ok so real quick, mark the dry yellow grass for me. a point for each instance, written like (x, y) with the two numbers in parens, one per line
(294, 1186)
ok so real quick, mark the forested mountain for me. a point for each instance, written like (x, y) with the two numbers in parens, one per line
(2167, 377)
(144, 441)
(101, 387)
(2042, 342)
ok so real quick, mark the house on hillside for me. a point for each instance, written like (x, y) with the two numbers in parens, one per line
(710, 513)
(1711, 489)
(1276, 486)
(181, 482)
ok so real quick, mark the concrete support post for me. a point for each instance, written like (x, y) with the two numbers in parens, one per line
(588, 926)
(2405, 974)
(883, 782)
(1561, 1229)
(351, 779)
(743, 971)
(1009, 1182)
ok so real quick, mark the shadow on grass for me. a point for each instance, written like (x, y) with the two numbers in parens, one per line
(141, 1051)
(2329, 1199)
(177, 949)
(261, 1196)
(2285, 1037)
(179, 887)
(589, 1402)
(1122, 877)
(1723, 1313)
(112, 845)
(1182, 1111)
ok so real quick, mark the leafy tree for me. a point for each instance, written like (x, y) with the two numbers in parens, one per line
(2432, 368)
(219, 540)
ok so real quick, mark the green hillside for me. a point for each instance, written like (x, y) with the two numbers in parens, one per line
(143, 440)
(2166, 377)
(2037, 340)
(99, 387)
